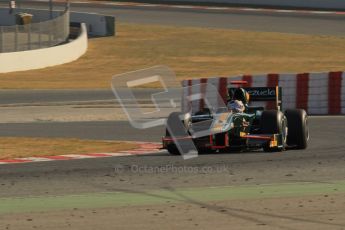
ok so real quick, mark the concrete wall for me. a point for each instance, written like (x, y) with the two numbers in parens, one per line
(42, 58)
(97, 25)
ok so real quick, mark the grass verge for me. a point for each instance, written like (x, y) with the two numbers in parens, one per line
(190, 52)
(12, 147)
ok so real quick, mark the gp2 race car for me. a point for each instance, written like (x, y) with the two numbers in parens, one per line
(252, 128)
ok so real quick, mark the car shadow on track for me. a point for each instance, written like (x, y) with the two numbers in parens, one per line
(248, 152)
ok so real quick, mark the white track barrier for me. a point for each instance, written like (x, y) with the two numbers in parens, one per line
(317, 93)
(42, 58)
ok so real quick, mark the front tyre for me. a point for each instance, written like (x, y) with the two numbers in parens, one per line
(298, 130)
(172, 148)
(172, 123)
(274, 122)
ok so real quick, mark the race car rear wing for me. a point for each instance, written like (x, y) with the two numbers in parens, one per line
(262, 94)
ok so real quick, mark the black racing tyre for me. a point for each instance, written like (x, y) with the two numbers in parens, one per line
(298, 130)
(273, 122)
(172, 148)
(171, 122)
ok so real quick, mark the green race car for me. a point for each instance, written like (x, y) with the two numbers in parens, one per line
(244, 129)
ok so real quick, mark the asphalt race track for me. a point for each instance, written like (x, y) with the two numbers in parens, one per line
(301, 24)
(272, 22)
(122, 130)
(277, 22)
(322, 161)
(48, 96)
(324, 130)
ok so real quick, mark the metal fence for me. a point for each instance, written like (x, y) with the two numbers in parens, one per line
(35, 35)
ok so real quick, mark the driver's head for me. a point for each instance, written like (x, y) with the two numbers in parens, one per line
(241, 94)
(236, 106)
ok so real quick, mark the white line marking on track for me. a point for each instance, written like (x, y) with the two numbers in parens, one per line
(35, 159)
(285, 11)
(119, 154)
(77, 156)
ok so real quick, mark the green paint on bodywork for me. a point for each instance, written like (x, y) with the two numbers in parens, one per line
(192, 195)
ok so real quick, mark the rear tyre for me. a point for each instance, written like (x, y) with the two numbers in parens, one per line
(298, 130)
(273, 122)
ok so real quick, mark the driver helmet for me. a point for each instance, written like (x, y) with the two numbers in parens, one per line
(236, 106)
